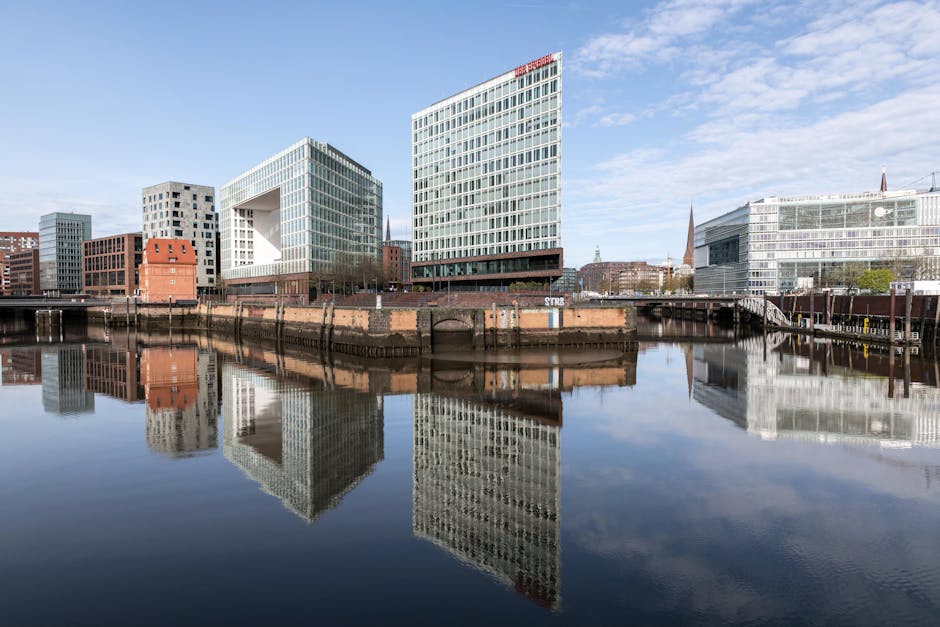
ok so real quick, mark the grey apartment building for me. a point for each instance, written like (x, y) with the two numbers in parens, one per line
(288, 220)
(60, 251)
(486, 182)
(185, 211)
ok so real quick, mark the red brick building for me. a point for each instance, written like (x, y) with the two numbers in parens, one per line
(12, 242)
(396, 262)
(23, 268)
(168, 271)
(110, 265)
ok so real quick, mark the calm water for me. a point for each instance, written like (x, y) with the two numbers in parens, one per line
(149, 481)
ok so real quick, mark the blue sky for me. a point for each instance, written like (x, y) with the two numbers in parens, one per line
(711, 102)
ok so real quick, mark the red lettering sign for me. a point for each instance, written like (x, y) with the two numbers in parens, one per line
(534, 65)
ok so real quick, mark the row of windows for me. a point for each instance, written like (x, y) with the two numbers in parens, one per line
(160, 195)
(486, 103)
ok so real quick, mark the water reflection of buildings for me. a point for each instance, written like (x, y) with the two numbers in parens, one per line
(487, 478)
(20, 366)
(826, 394)
(304, 444)
(113, 371)
(63, 380)
(182, 402)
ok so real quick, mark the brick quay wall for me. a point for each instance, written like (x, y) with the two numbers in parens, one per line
(389, 332)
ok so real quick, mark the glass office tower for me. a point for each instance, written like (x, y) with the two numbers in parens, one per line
(60, 251)
(486, 173)
(289, 219)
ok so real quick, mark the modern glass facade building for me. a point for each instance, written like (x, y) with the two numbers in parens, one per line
(486, 173)
(60, 251)
(778, 244)
(287, 220)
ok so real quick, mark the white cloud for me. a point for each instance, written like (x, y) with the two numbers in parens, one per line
(816, 107)
(616, 119)
(655, 40)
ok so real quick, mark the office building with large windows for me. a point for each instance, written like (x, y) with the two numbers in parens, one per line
(780, 244)
(174, 210)
(61, 237)
(486, 174)
(288, 221)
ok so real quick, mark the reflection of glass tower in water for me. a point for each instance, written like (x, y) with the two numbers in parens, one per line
(63, 381)
(308, 447)
(182, 403)
(487, 489)
(783, 397)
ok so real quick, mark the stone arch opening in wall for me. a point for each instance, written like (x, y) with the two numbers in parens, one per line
(452, 334)
(452, 324)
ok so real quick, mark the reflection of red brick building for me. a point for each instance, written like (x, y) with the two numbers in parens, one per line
(179, 422)
(168, 271)
(170, 377)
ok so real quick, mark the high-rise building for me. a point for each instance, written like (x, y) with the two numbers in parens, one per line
(486, 173)
(110, 265)
(295, 216)
(60, 251)
(174, 210)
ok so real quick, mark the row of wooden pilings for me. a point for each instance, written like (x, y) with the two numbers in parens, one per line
(906, 337)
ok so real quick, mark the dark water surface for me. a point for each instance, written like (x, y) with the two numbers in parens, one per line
(145, 481)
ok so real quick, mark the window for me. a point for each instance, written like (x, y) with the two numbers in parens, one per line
(208, 198)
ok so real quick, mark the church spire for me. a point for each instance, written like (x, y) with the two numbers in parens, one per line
(689, 257)
(884, 179)
(388, 228)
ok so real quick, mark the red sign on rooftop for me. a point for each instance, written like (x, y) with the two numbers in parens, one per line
(534, 65)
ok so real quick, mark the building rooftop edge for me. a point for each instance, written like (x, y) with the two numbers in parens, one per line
(557, 55)
(176, 183)
(901, 193)
(305, 140)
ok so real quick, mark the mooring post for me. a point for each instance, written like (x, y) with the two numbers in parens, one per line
(907, 372)
(891, 317)
(812, 313)
(127, 311)
(891, 368)
(765, 313)
(908, 300)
